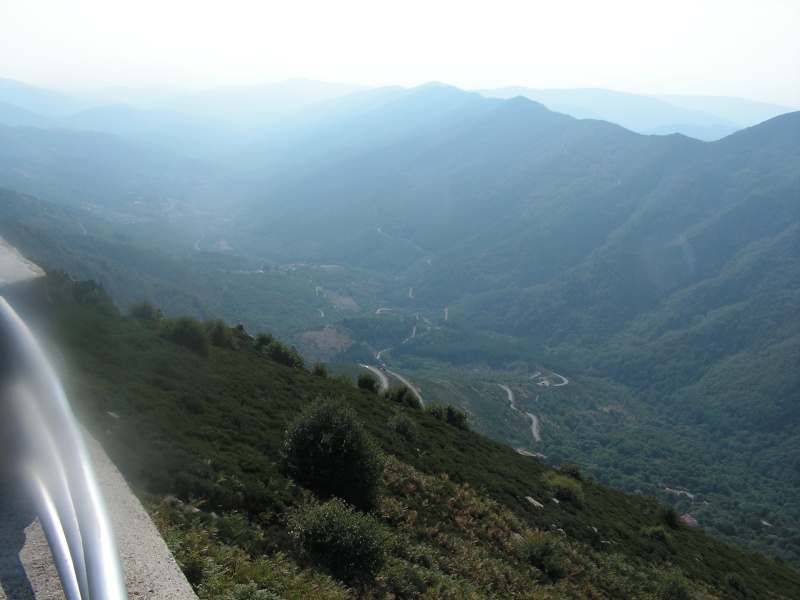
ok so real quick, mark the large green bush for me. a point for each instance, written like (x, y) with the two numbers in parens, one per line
(404, 425)
(327, 450)
(220, 335)
(265, 343)
(145, 311)
(449, 414)
(545, 552)
(674, 586)
(367, 381)
(402, 394)
(320, 369)
(347, 543)
(186, 331)
(565, 488)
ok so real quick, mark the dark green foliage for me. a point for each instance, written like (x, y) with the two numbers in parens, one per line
(670, 516)
(571, 469)
(349, 544)
(404, 425)
(211, 430)
(402, 394)
(186, 331)
(250, 592)
(266, 343)
(674, 586)
(367, 381)
(263, 341)
(456, 417)
(344, 378)
(565, 488)
(449, 414)
(735, 581)
(545, 552)
(92, 294)
(655, 532)
(659, 262)
(320, 369)
(459, 345)
(380, 331)
(145, 311)
(220, 335)
(327, 450)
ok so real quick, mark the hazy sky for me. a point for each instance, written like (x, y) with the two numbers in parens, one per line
(746, 48)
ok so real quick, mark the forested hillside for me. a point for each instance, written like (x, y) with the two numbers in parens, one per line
(471, 243)
(207, 421)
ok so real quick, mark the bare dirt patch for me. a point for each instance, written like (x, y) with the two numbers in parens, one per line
(323, 344)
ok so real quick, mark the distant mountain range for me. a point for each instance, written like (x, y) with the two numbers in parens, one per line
(701, 117)
(136, 112)
(658, 271)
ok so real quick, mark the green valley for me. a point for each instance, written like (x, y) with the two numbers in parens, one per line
(487, 251)
(203, 434)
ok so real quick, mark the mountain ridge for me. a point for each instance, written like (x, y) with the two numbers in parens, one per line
(503, 239)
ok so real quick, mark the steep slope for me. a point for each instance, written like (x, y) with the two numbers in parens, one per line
(665, 264)
(209, 431)
(514, 237)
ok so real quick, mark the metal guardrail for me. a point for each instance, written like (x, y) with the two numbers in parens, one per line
(50, 457)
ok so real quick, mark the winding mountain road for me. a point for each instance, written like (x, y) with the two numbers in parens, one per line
(384, 380)
(534, 419)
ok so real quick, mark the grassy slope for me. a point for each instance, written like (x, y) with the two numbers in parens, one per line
(210, 431)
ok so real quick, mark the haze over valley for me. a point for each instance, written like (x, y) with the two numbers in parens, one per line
(534, 265)
(483, 248)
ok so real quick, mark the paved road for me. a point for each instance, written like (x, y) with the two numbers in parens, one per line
(534, 418)
(27, 571)
(535, 427)
(380, 375)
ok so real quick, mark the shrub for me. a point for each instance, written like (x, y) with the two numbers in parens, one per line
(572, 470)
(735, 581)
(249, 591)
(349, 544)
(266, 343)
(674, 587)
(545, 552)
(186, 331)
(449, 414)
(327, 450)
(402, 394)
(656, 532)
(435, 410)
(366, 381)
(93, 294)
(565, 488)
(320, 369)
(404, 425)
(145, 311)
(669, 516)
(219, 334)
(262, 341)
(456, 417)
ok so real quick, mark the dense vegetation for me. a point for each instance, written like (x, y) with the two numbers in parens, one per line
(474, 243)
(456, 515)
